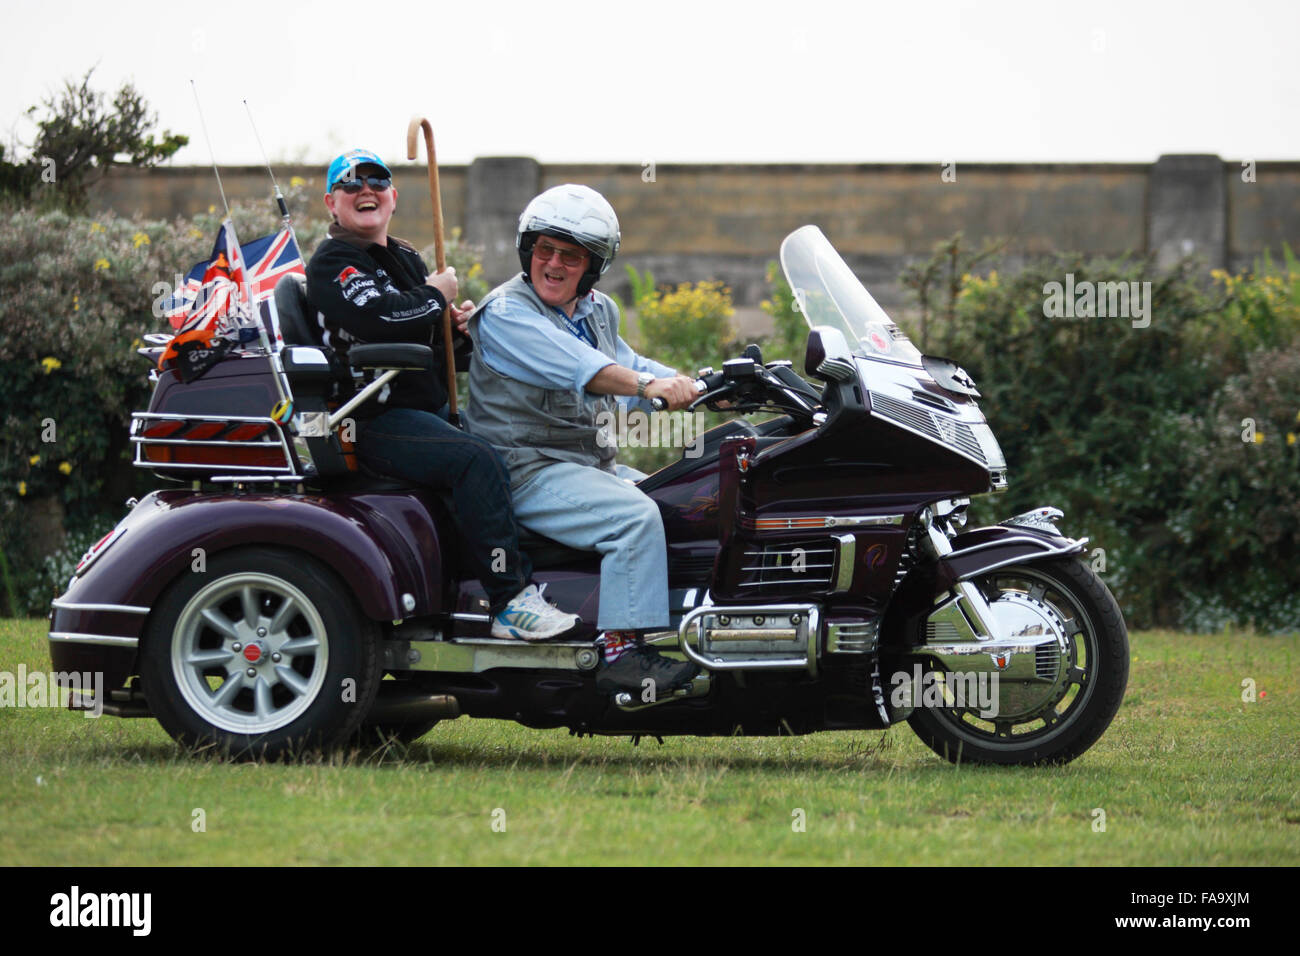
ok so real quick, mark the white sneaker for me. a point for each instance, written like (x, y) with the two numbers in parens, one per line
(529, 617)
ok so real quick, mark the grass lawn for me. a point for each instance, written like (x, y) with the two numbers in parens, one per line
(1188, 774)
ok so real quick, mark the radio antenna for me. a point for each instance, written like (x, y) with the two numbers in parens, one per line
(279, 196)
(221, 189)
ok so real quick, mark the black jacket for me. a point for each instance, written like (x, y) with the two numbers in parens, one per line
(364, 292)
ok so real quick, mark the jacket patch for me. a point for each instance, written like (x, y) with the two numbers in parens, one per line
(361, 292)
(347, 275)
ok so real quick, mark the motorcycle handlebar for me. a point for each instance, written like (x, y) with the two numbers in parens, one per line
(701, 386)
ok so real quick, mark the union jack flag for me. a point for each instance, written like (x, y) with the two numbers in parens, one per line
(217, 290)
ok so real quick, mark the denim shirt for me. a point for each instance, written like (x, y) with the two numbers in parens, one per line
(521, 344)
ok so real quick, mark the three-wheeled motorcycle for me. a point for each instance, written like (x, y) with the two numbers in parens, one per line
(278, 599)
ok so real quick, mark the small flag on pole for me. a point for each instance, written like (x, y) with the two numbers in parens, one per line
(214, 296)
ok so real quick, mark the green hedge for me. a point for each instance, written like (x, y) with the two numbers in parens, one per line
(77, 293)
(1140, 434)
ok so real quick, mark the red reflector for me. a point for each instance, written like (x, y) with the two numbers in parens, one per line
(247, 432)
(95, 549)
(162, 429)
(205, 431)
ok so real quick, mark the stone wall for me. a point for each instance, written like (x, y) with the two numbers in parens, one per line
(719, 221)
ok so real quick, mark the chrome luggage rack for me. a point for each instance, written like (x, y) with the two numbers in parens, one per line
(237, 433)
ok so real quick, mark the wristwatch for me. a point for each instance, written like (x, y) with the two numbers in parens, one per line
(643, 380)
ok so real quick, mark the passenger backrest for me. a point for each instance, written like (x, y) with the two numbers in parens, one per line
(298, 325)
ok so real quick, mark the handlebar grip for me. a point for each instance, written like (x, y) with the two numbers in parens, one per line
(659, 404)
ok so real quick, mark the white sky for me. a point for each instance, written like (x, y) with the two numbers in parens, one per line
(669, 81)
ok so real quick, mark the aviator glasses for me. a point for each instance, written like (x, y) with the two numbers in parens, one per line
(545, 250)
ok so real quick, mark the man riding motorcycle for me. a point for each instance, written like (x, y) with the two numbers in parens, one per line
(548, 364)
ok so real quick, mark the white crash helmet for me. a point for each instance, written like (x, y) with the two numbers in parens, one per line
(575, 214)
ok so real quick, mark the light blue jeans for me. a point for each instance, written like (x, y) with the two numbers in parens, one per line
(593, 510)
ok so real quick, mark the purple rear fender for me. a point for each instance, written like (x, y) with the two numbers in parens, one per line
(382, 546)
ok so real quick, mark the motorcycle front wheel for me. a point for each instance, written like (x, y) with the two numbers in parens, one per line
(1080, 680)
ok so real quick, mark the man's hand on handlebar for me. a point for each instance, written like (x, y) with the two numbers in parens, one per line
(674, 393)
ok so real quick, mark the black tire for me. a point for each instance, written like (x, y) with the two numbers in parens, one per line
(286, 691)
(1093, 673)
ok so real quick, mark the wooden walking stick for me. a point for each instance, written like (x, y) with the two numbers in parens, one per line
(439, 252)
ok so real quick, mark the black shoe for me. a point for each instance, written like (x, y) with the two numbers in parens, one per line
(642, 663)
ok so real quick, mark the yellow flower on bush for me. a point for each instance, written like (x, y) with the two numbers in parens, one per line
(34, 460)
(65, 468)
(96, 227)
(76, 303)
(296, 181)
(1259, 438)
(196, 234)
(22, 488)
(101, 265)
(1290, 438)
(692, 320)
(50, 363)
(475, 271)
(139, 239)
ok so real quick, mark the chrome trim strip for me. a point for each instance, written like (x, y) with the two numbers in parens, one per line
(213, 442)
(865, 520)
(109, 640)
(774, 582)
(273, 471)
(815, 522)
(474, 655)
(848, 555)
(476, 618)
(188, 416)
(123, 608)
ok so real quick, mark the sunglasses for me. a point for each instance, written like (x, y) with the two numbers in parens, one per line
(544, 251)
(357, 183)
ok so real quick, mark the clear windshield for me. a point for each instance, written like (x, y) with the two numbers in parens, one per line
(828, 293)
